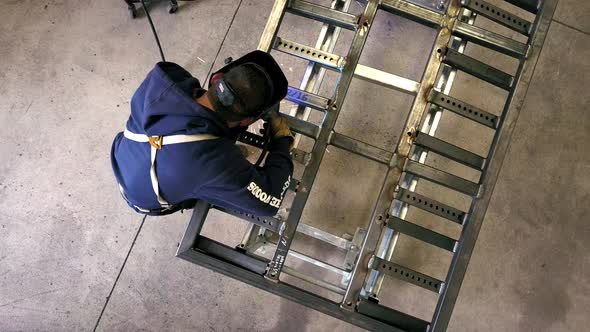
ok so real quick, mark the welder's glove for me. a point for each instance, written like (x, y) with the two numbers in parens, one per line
(279, 127)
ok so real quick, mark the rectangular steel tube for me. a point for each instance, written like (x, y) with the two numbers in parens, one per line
(318, 263)
(449, 150)
(307, 99)
(229, 254)
(200, 212)
(385, 79)
(393, 317)
(318, 282)
(421, 233)
(361, 148)
(479, 69)
(317, 233)
(272, 25)
(413, 12)
(490, 39)
(302, 127)
(323, 14)
(443, 178)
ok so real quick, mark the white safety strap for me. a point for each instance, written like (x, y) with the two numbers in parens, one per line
(156, 143)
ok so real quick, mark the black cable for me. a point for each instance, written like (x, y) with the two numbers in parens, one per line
(153, 30)
(223, 41)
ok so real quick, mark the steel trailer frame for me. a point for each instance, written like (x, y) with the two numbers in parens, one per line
(370, 251)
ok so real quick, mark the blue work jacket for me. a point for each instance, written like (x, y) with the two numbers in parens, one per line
(212, 170)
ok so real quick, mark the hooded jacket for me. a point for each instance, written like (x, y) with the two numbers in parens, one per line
(212, 170)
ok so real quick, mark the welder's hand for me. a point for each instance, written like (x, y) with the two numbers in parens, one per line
(278, 126)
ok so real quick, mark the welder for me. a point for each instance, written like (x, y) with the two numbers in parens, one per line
(179, 142)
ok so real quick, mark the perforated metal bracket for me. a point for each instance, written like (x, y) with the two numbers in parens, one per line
(406, 274)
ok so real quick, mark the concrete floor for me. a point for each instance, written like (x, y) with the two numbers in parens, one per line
(73, 257)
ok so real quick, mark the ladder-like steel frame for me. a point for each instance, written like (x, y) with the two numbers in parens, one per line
(370, 251)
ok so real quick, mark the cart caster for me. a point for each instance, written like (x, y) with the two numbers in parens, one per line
(172, 8)
(132, 11)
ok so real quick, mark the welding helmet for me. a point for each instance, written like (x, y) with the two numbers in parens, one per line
(247, 87)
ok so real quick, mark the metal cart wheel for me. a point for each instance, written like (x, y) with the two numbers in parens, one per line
(131, 10)
(172, 7)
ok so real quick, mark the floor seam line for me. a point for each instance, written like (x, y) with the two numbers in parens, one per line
(119, 274)
(223, 41)
(572, 27)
